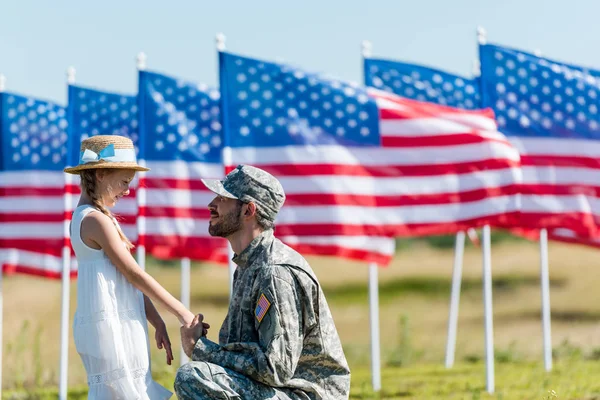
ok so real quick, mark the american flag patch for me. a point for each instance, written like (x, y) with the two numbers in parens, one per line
(262, 306)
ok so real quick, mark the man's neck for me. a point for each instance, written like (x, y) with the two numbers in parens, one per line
(242, 239)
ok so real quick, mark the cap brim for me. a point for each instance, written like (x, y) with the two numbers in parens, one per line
(215, 186)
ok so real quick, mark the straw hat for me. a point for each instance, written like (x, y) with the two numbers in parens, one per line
(106, 151)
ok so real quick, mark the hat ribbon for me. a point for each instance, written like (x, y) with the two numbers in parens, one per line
(108, 154)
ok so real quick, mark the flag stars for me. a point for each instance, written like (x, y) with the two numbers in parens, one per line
(546, 123)
(216, 141)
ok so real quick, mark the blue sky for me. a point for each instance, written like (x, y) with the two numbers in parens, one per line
(40, 39)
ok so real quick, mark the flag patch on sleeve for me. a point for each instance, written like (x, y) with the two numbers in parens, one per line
(262, 306)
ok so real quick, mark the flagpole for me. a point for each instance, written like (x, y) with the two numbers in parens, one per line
(487, 281)
(373, 285)
(545, 288)
(374, 327)
(459, 248)
(2, 88)
(545, 284)
(227, 160)
(487, 304)
(141, 190)
(66, 270)
(185, 294)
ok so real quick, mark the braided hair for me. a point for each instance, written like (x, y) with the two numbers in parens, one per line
(88, 184)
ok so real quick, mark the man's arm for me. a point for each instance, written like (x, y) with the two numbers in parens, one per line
(278, 313)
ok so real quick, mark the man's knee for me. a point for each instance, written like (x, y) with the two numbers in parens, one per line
(192, 377)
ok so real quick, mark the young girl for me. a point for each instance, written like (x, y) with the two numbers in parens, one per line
(113, 292)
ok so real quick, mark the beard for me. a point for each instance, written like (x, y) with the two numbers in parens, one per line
(228, 225)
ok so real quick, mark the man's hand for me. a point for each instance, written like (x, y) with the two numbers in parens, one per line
(192, 332)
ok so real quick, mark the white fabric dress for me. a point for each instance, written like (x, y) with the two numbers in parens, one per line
(110, 328)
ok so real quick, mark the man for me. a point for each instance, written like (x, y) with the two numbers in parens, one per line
(278, 340)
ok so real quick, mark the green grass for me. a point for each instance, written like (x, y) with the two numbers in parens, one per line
(515, 380)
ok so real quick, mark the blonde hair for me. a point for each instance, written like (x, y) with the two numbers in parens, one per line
(88, 184)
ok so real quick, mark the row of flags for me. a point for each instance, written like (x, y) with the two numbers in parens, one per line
(547, 110)
(415, 151)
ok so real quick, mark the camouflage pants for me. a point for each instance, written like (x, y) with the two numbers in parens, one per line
(201, 380)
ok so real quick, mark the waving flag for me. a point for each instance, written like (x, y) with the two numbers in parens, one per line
(422, 83)
(181, 129)
(549, 111)
(95, 112)
(32, 156)
(365, 163)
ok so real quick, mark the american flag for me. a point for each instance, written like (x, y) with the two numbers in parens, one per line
(181, 143)
(32, 207)
(549, 111)
(422, 83)
(94, 112)
(357, 163)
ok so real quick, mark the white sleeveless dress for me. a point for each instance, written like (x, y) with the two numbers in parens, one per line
(110, 328)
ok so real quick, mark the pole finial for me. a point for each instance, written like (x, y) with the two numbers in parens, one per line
(366, 47)
(220, 41)
(481, 35)
(140, 61)
(2, 83)
(71, 75)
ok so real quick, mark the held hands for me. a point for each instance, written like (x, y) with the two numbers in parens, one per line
(190, 333)
(162, 340)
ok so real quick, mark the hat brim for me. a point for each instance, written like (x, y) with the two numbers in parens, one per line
(113, 165)
(216, 186)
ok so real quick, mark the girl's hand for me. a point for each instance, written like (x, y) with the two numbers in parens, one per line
(162, 340)
(187, 318)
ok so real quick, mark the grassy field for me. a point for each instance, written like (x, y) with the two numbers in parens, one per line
(414, 299)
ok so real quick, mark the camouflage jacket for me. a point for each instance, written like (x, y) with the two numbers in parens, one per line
(279, 330)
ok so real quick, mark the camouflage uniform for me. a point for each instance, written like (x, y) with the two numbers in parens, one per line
(278, 340)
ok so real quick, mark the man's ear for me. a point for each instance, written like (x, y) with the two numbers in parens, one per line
(250, 209)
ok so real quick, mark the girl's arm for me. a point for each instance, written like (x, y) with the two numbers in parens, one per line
(152, 314)
(161, 335)
(98, 228)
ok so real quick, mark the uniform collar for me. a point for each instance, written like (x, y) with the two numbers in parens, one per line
(254, 249)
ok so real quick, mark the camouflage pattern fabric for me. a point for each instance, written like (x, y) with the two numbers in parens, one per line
(251, 184)
(279, 331)
(209, 381)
